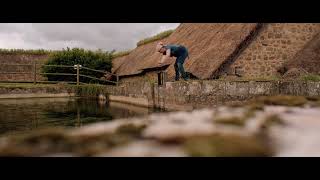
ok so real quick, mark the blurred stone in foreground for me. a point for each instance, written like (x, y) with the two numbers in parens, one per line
(266, 126)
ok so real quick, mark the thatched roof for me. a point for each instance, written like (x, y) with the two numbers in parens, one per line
(209, 45)
(307, 59)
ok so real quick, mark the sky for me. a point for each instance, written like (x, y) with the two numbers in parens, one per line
(93, 36)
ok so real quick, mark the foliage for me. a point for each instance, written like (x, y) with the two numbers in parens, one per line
(97, 60)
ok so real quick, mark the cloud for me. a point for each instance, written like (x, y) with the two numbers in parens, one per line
(106, 36)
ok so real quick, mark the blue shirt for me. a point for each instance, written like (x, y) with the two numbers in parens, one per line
(176, 50)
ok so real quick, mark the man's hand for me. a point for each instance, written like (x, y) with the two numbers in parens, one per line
(163, 59)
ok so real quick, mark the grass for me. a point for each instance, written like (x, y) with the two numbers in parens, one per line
(266, 78)
(91, 90)
(121, 53)
(36, 51)
(310, 77)
(23, 51)
(157, 37)
(29, 87)
(25, 85)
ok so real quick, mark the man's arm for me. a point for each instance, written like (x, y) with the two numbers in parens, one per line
(164, 58)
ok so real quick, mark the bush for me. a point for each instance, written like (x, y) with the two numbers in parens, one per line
(159, 36)
(97, 60)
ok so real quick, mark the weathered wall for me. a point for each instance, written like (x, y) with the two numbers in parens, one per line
(274, 45)
(195, 94)
(7, 59)
(208, 93)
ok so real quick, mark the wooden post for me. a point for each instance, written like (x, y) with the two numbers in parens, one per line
(117, 80)
(35, 72)
(159, 78)
(78, 117)
(165, 77)
(78, 69)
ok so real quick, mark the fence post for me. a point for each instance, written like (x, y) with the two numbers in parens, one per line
(78, 74)
(35, 72)
(165, 76)
(117, 80)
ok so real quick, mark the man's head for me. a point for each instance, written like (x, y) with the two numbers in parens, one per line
(160, 48)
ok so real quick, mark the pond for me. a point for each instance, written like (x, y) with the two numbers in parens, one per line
(24, 115)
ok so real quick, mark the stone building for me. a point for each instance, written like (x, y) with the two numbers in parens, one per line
(253, 50)
(231, 50)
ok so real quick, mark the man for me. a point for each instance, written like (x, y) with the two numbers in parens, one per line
(178, 51)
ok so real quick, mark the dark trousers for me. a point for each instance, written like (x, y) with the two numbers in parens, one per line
(178, 66)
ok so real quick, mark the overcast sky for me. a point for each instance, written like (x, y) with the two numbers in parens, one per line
(55, 36)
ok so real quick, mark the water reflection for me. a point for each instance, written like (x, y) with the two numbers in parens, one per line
(23, 115)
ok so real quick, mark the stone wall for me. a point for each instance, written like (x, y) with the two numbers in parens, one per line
(274, 45)
(26, 66)
(32, 91)
(260, 55)
(196, 94)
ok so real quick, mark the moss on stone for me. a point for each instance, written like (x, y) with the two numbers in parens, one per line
(272, 120)
(236, 120)
(131, 129)
(52, 141)
(283, 100)
(227, 145)
(313, 98)
(35, 143)
(314, 101)
(255, 106)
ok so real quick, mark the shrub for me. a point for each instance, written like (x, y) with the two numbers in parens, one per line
(97, 60)
(159, 36)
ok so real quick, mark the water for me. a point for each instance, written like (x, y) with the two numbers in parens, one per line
(25, 115)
